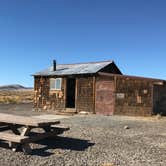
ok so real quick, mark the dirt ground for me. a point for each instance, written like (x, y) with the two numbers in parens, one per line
(94, 140)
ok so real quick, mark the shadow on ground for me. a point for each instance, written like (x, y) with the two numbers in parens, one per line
(64, 143)
(50, 144)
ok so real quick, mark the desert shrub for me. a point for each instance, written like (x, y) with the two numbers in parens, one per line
(15, 97)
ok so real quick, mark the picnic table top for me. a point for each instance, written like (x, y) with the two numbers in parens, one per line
(26, 121)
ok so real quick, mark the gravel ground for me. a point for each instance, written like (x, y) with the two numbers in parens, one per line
(98, 140)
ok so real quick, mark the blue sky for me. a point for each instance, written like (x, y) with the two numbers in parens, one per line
(34, 32)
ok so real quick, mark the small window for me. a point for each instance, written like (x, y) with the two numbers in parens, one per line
(55, 84)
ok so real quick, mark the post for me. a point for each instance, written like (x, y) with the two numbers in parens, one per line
(54, 65)
(94, 94)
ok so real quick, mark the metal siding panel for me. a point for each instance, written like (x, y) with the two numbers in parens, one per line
(105, 97)
(71, 69)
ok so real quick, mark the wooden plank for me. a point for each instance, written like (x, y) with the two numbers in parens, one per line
(76, 94)
(59, 130)
(12, 137)
(27, 139)
(40, 136)
(94, 94)
(25, 131)
(65, 90)
(27, 121)
(65, 128)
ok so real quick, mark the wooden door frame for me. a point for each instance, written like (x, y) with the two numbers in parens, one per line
(66, 92)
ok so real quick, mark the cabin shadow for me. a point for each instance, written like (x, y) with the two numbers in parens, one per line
(58, 142)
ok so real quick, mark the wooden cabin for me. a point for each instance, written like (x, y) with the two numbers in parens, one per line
(97, 87)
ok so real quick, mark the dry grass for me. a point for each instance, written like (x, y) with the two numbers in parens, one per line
(16, 97)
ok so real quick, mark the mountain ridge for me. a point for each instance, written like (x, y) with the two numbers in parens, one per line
(14, 87)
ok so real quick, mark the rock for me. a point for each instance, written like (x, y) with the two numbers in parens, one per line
(158, 116)
(126, 127)
(45, 107)
(83, 113)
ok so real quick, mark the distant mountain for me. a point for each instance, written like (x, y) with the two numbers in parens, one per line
(14, 87)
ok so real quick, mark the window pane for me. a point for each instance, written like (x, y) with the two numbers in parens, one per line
(58, 83)
(52, 83)
(55, 84)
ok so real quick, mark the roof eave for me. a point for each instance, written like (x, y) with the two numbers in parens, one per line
(62, 75)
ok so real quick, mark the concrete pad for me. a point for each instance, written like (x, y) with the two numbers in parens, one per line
(51, 116)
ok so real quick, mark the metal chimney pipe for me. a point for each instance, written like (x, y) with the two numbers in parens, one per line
(54, 65)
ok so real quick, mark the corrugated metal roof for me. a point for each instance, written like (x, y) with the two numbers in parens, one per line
(72, 69)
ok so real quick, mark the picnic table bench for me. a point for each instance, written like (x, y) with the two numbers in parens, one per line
(21, 127)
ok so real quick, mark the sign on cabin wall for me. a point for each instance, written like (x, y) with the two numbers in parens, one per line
(120, 95)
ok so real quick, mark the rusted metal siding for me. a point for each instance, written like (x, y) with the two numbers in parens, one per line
(104, 103)
(133, 96)
(84, 97)
(128, 95)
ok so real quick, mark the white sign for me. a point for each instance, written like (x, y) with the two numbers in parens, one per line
(120, 95)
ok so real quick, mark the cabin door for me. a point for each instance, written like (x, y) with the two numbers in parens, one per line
(70, 92)
(105, 97)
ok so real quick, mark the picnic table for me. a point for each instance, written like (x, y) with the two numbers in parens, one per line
(20, 128)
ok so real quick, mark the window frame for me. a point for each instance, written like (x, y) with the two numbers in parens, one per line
(55, 82)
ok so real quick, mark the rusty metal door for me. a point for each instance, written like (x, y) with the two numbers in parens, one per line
(104, 97)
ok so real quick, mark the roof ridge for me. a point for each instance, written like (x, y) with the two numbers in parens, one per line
(76, 68)
(87, 62)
